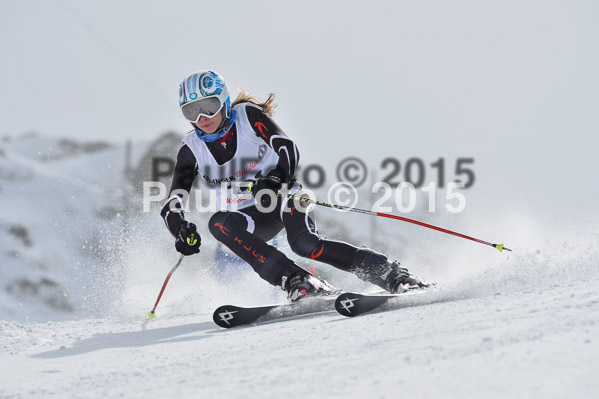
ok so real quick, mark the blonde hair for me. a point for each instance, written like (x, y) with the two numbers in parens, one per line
(267, 106)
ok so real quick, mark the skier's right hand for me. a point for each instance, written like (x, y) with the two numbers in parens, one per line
(188, 240)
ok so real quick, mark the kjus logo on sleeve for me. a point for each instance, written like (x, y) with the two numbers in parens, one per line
(260, 127)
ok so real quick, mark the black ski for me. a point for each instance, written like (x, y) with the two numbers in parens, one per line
(352, 304)
(229, 316)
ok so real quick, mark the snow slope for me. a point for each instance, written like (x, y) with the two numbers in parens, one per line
(509, 337)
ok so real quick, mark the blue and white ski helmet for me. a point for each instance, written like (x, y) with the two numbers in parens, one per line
(199, 86)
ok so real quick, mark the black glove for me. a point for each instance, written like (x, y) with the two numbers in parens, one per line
(272, 182)
(188, 240)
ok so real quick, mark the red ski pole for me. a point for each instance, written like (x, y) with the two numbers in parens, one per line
(151, 313)
(500, 247)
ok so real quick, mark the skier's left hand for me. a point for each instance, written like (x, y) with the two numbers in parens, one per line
(273, 182)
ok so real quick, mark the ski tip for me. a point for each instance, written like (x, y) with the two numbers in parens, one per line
(151, 314)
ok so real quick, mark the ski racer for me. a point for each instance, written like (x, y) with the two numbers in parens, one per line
(238, 141)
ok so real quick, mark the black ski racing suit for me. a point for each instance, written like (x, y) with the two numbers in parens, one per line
(246, 231)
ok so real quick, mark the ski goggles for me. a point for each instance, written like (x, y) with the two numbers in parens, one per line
(207, 106)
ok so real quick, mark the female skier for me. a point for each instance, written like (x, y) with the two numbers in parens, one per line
(240, 142)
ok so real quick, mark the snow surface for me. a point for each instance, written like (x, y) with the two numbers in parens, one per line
(527, 330)
(538, 343)
(518, 325)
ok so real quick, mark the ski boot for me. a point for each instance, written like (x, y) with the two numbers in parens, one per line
(303, 284)
(399, 279)
(377, 269)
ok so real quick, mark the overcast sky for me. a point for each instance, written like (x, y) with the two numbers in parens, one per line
(513, 84)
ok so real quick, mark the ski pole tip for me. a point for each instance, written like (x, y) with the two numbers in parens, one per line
(502, 247)
(151, 314)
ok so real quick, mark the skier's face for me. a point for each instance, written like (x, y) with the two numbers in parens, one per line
(209, 125)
